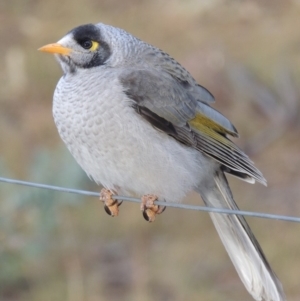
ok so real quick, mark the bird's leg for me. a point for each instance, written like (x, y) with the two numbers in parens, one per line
(149, 208)
(111, 206)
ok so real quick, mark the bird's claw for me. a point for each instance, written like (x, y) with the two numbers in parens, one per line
(149, 208)
(111, 206)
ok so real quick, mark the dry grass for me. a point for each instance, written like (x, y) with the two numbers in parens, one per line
(62, 247)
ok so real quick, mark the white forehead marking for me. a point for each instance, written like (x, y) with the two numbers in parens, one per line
(66, 39)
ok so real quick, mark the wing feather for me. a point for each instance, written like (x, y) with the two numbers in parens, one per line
(170, 104)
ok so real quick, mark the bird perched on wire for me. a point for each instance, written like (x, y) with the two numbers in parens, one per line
(138, 123)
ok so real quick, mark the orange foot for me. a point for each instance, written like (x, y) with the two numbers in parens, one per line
(149, 208)
(111, 206)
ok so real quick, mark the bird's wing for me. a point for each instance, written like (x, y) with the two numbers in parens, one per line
(177, 107)
(167, 64)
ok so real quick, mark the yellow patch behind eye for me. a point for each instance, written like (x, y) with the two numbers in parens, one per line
(95, 46)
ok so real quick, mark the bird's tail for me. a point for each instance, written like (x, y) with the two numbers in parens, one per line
(240, 243)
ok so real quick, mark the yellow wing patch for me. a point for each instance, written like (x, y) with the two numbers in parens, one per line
(202, 123)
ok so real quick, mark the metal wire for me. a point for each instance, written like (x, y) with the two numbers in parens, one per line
(135, 200)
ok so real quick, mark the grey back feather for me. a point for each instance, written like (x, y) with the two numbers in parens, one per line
(161, 94)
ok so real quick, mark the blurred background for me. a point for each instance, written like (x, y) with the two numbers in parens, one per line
(57, 246)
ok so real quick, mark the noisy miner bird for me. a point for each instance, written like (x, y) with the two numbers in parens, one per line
(139, 124)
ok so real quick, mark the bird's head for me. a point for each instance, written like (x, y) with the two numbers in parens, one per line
(89, 46)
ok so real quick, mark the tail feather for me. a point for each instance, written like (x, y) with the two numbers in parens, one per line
(241, 244)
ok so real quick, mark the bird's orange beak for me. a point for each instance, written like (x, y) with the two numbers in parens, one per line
(56, 48)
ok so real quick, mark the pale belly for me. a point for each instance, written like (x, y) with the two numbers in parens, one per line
(123, 152)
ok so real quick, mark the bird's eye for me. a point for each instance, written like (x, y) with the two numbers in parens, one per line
(86, 44)
(89, 44)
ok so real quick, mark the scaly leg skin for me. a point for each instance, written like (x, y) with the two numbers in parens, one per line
(111, 206)
(149, 208)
